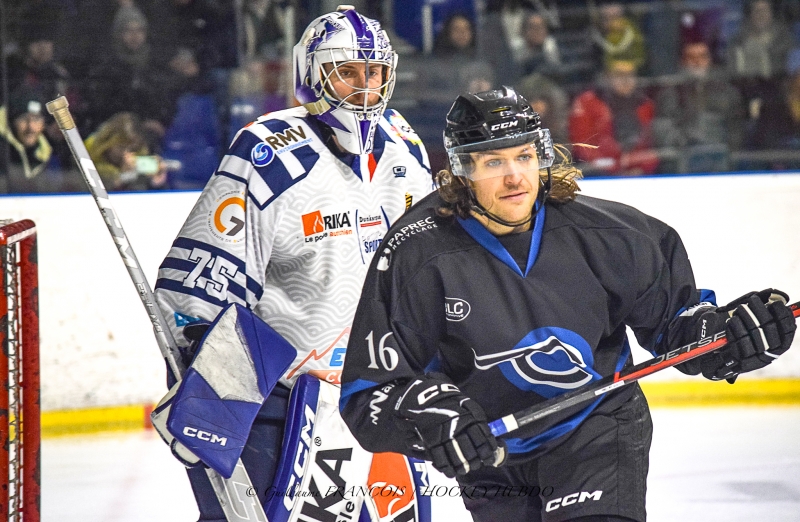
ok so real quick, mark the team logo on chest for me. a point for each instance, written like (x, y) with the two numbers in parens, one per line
(318, 226)
(547, 361)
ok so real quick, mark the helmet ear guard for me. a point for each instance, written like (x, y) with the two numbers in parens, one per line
(337, 39)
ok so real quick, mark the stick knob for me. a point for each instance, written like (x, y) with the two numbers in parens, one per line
(59, 108)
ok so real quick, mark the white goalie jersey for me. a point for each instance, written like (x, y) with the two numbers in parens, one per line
(288, 229)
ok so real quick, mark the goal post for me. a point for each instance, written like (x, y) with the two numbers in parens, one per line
(20, 416)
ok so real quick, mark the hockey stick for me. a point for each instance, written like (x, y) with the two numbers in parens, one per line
(238, 488)
(516, 420)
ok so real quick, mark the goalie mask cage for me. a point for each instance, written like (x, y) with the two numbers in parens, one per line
(20, 428)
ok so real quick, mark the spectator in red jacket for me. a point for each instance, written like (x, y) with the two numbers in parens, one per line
(615, 123)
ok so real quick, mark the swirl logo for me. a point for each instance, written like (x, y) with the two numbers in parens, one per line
(547, 361)
(262, 155)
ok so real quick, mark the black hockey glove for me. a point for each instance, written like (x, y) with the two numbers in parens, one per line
(758, 327)
(453, 428)
(193, 332)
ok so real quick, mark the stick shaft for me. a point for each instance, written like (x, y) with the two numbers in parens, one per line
(164, 338)
(516, 420)
(236, 495)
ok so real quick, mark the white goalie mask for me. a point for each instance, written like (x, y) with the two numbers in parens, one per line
(344, 74)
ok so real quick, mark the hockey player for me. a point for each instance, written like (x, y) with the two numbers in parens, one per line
(289, 222)
(505, 289)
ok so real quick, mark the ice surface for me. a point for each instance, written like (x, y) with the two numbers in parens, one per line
(707, 465)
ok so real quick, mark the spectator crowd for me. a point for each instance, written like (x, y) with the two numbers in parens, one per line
(158, 87)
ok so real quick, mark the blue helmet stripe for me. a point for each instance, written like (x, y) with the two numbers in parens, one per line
(364, 34)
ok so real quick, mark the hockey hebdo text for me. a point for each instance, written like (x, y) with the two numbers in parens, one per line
(427, 491)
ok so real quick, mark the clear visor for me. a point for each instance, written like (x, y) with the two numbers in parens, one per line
(509, 155)
(359, 81)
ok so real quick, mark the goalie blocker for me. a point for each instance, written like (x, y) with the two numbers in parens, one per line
(323, 473)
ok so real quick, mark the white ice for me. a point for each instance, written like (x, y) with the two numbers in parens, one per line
(706, 465)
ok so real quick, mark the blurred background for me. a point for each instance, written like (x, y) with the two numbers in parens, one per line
(159, 87)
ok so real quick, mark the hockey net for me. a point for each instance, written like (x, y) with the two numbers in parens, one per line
(20, 428)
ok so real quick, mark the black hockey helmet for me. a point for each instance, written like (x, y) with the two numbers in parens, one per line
(491, 120)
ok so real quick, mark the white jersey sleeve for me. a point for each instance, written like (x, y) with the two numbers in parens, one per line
(287, 228)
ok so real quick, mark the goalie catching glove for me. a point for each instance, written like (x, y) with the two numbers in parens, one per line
(758, 327)
(452, 428)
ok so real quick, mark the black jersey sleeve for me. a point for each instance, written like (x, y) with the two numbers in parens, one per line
(394, 338)
(662, 317)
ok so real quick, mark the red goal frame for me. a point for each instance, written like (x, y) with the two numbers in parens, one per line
(20, 415)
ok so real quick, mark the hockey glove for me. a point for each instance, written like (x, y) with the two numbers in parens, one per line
(193, 332)
(758, 327)
(453, 428)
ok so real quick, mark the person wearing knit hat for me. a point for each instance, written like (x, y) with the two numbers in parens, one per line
(130, 36)
(22, 126)
(127, 79)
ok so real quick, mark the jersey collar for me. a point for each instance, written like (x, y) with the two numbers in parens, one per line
(487, 240)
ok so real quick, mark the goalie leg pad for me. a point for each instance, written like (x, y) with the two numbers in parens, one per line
(324, 474)
(238, 363)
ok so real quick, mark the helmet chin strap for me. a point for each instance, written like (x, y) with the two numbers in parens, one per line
(540, 198)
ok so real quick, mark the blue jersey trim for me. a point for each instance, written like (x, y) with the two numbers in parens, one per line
(275, 174)
(388, 221)
(188, 266)
(708, 296)
(200, 293)
(489, 241)
(530, 444)
(190, 244)
(231, 176)
(349, 388)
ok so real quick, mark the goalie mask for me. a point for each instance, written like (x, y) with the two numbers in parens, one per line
(344, 74)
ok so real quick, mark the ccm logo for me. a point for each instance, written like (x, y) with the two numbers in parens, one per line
(506, 125)
(572, 499)
(204, 435)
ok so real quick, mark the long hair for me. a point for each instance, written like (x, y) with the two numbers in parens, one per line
(458, 197)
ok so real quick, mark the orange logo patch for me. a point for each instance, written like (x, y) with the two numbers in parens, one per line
(391, 483)
(313, 223)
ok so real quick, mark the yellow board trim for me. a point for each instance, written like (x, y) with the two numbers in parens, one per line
(701, 392)
(95, 420)
(674, 394)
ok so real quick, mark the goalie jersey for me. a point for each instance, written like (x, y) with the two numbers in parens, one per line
(512, 331)
(288, 228)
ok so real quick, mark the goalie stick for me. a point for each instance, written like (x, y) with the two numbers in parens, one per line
(516, 420)
(235, 495)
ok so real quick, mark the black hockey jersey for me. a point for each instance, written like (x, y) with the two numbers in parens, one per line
(444, 295)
